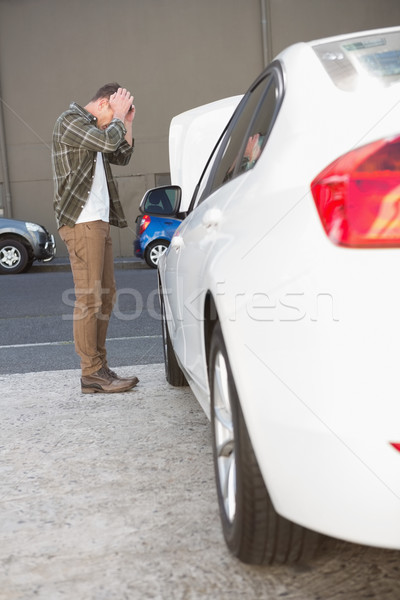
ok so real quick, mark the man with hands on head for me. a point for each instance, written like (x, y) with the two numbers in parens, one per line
(86, 140)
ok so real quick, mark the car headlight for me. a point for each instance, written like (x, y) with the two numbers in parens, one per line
(34, 227)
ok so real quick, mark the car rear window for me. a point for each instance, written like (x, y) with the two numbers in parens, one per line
(352, 62)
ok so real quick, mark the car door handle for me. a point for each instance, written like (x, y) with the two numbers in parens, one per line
(177, 242)
(212, 218)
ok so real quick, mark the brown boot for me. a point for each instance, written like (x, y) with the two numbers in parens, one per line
(113, 375)
(102, 382)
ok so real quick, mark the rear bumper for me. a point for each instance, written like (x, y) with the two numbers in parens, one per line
(137, 249)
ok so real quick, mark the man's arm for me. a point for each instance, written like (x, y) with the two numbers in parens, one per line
(79, 133)
(128, 125)
(122, 155)
(124, 152)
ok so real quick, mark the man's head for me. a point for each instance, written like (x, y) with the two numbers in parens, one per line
(100, 107)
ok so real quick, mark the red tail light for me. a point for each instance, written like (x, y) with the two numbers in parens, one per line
(144, 223)
(358, 196)
(395, 445)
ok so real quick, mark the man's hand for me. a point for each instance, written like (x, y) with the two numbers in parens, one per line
(121, 103)
(130, 115)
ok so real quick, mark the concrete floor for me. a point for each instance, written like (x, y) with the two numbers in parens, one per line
(109, 497)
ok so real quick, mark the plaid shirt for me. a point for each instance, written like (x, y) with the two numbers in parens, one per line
(76, 141)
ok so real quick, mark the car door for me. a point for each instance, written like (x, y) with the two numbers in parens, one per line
(194, 243)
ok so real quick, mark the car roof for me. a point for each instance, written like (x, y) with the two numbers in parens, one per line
(350, 59)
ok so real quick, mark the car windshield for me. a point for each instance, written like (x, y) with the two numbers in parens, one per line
(353, 62)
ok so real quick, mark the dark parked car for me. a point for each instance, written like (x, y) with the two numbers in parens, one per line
(23, 242)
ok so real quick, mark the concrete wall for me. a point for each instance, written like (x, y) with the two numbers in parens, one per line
(172, 54)
(303, 20)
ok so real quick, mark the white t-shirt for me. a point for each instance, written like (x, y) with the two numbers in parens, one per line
(97, 207)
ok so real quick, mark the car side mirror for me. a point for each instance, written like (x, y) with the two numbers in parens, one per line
(163, 200)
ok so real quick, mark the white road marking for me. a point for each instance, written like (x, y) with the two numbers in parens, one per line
(65, 343)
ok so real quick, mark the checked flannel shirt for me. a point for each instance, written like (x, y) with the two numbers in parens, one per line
(76, 141)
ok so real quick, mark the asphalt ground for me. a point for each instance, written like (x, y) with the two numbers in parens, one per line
(36, 311)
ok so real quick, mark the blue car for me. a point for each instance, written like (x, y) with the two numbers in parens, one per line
(156, 225)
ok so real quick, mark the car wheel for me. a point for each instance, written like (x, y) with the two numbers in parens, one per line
(14, 257)
(154, 251)
(252, 529)
(173, 372)
(29, 265)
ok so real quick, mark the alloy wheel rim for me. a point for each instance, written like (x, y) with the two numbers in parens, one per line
(224, 437)
(156, 253)
(10, 257)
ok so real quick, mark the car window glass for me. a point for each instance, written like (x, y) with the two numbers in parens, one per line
(199, 197)
(161, 201)
(259, 130)
(233, 144)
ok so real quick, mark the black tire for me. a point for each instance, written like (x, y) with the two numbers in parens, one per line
(28, 265)
(253, 530)
(154, 251)
(14, 257)
(173, 372)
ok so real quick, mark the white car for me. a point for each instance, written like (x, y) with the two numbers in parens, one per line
(280, 298)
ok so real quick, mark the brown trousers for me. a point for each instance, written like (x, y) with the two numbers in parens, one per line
(90, 251)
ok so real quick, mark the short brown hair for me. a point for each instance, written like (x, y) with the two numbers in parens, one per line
(106, 91)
